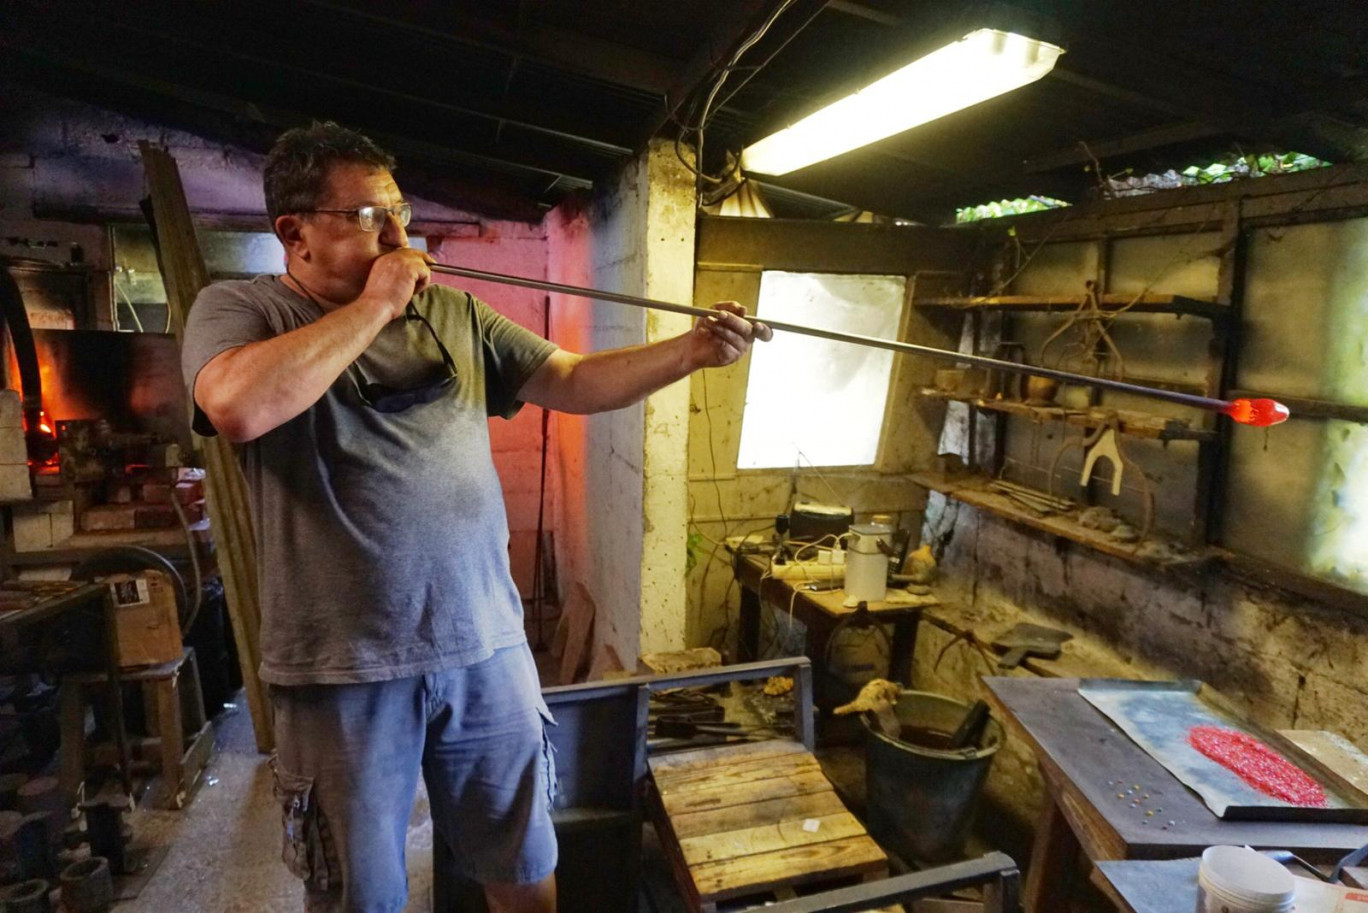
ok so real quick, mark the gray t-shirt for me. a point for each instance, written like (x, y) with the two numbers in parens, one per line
(382, 540)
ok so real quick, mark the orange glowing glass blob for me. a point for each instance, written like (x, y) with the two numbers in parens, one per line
(1257, 412)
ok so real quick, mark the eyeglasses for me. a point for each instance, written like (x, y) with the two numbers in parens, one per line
(384, 398)
(373, 218)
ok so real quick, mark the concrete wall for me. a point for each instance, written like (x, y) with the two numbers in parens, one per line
(723, 501)
(621, 477)
(67, 170)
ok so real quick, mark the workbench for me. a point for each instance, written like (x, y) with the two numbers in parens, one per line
(26, 604)
(1082, 755)
(820, 613)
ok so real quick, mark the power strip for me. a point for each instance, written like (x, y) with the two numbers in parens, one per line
(807, 570)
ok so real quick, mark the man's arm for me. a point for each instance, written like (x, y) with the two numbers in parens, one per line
(250, 390)
(609, 380)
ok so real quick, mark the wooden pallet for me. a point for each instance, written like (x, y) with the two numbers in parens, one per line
(753, 819)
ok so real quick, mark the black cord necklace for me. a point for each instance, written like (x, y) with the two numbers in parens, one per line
(303, 289)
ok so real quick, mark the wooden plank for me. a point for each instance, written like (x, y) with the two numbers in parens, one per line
(1334, 751)
(739, 775)
(681, 660)
(1053, 869)
(743, 767)
(799, 865)
(680, 762)
(1131, 422)
(670, 846)
(184, 275)
(1135, 304)
(970, 489)
(812, 781)
(768, 838)
(756, 814)
(668, 778)
(578, 618)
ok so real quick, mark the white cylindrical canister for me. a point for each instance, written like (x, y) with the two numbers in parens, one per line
(866, 573)
(1236, 879)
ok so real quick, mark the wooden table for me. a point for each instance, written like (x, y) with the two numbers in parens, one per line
(26, 604)
(820, 613)
(1082, 754)
(743, 820)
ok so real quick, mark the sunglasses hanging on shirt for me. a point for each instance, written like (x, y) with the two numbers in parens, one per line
(385, 398)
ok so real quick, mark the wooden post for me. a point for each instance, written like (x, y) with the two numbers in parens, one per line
(1213, 466)
(184, 273)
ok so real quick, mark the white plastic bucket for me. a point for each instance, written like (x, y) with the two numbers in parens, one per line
(1236, 879)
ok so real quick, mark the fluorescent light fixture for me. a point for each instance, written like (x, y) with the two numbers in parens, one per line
(982, 64)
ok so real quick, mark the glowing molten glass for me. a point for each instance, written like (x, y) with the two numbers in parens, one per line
(1257, 412)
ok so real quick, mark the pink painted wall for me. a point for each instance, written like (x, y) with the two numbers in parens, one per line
(518, 250)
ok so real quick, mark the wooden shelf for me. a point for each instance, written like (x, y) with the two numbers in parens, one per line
(1145, 304)
(1131, 423)
(972, 489)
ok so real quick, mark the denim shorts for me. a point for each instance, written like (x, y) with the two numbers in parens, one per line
(346, 771)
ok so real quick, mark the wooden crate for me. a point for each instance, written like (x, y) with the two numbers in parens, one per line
(755, 819)
(148, 622)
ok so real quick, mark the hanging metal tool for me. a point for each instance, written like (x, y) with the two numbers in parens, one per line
(1260, 412)
(1103, 443)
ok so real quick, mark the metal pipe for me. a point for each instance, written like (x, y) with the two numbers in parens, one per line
(1257, 411)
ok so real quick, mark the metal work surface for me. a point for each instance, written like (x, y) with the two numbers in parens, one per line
(1083, 754)
(995, 871)
(1158, 717)
(1167, 886)
(1153, 886)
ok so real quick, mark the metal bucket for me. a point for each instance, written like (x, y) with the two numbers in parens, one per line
(920, 799)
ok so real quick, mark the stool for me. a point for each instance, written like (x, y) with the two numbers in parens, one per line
(172, 712)
(753, 819)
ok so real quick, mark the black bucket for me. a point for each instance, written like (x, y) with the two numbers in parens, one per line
(921, 797)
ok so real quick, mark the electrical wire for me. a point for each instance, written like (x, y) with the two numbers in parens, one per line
(194, 560)
(697, 167)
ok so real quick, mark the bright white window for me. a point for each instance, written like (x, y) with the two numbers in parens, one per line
(815, 402)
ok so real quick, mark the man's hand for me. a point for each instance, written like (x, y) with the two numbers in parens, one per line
(723, 338)
(396, 277)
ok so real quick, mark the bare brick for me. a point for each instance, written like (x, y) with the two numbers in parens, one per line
(14, 482)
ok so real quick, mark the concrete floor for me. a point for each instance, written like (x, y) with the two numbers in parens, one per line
(225, 846)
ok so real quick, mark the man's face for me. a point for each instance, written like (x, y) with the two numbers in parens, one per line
(340, 253)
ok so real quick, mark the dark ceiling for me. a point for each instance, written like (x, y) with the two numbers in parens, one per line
(511, 104)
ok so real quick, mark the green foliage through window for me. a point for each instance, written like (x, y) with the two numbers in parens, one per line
(1251, 166)
(1033, 203)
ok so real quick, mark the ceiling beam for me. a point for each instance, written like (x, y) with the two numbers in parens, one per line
(1257, 110)
(562, 49)
(66, 37)
(474, 186)
(743, 19)
(1086, 152)
(864, 11)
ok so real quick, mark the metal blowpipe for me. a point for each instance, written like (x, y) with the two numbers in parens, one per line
(1258, 412)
